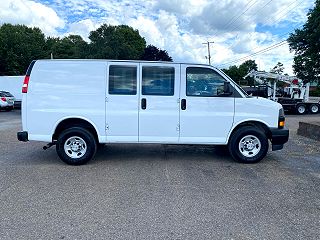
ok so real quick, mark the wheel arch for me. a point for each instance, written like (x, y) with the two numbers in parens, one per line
(74, 121)
(255, 123)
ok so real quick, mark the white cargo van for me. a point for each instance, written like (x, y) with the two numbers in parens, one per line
(78, 104)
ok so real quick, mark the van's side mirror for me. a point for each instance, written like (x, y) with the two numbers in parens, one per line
(227, 89)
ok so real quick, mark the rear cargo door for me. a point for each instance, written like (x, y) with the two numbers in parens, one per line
(122, 102)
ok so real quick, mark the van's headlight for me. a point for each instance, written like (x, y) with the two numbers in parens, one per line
(282, 118)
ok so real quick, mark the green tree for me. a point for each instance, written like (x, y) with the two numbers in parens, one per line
(247, 66)
(50, 42)
(306, 46)
(19, 45)
(116, 42)
(244, 69)
(152, 53)
(238, 73)
(234, 73)
(278, 68)
(69, 47)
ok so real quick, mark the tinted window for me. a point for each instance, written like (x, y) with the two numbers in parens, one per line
(158, 81)
(204, 82)
(123, 80)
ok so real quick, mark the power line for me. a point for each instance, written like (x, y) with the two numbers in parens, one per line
(256, 53)
(267, 48)
(237, 39)
(247, 9)
(257, 12)
(229, 23)
(279, 44)
(269, 19)
(249, 5)
(286, 12)
(294, 27)
(274, 45)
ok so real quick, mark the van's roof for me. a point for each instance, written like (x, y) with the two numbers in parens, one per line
(134, 61)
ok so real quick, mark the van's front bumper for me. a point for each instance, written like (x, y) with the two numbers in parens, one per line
(22, 136)
(279, 137)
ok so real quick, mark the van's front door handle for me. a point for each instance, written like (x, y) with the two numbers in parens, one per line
(183, 104)
(143, 103)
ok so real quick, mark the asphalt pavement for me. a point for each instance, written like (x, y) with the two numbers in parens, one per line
(158, 191)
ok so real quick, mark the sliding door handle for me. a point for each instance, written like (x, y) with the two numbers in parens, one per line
(143, 103)
(183, 104)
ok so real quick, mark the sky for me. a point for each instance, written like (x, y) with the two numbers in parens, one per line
(237, 28)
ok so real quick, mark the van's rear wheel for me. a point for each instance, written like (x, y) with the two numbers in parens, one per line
(76, 146)
(248, 145)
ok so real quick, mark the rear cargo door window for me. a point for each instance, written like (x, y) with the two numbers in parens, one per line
(123, 80)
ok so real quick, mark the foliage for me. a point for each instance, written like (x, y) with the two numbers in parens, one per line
(72, 46)
(152, 53)
(238, 73)
(278, 68)
(306, 46)
(116, 42)
(234, 73)
(19, 45)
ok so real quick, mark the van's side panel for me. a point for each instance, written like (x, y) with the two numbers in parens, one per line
(63, 89)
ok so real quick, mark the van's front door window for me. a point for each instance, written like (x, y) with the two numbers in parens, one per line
(204, 82)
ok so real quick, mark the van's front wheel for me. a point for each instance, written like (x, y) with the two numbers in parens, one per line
(76, 146)
(248, 145)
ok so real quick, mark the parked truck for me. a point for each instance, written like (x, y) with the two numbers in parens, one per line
(293, 96)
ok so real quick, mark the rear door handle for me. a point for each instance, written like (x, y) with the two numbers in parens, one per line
(143, 103)
(183, 104)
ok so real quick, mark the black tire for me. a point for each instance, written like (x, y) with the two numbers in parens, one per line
(78, 134)
(240, 134)
(301, 108)
(314, 108)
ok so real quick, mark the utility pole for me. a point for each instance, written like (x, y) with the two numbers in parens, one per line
(209, 56)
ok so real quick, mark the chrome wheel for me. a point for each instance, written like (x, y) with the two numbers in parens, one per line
(314, 108)
(249, 146)
(75, 147)
(301, 109)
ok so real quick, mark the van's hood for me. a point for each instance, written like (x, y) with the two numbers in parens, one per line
(266, 102)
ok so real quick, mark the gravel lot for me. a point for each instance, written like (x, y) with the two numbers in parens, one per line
(158, 191)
